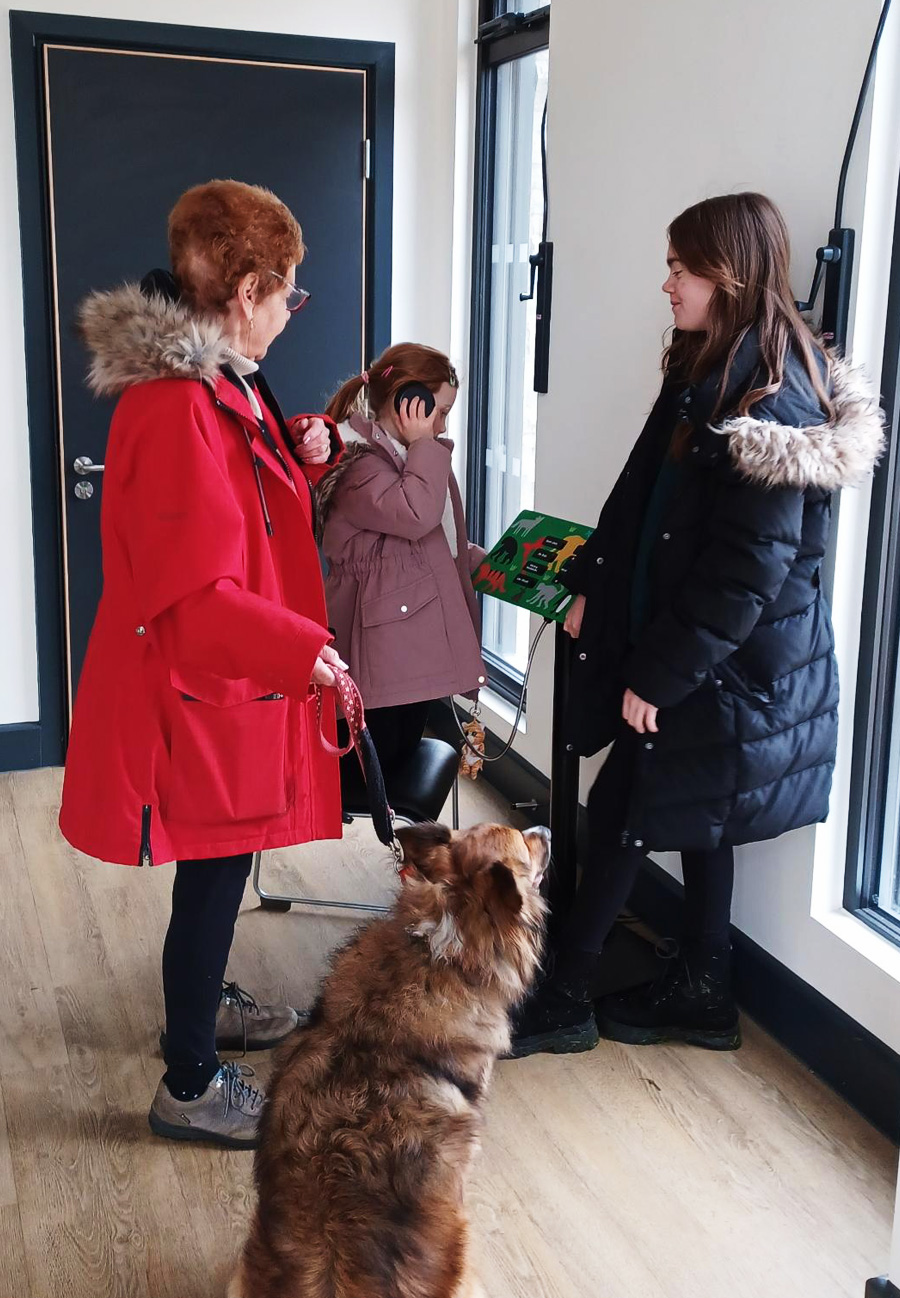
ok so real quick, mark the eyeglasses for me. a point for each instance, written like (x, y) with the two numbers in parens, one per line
(297, 298)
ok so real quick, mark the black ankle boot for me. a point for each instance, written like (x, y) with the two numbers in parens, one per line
(558, 1017)
(691, 1002)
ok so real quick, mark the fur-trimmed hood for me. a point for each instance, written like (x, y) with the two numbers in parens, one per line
(786, 440)
(134, 337)
(841, 452)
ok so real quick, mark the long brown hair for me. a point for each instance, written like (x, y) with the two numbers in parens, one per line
(740, 242)
(374, 391)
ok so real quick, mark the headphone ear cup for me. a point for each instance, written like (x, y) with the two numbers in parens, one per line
(413, 392)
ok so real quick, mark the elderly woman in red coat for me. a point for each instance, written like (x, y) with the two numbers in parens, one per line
(194, 735)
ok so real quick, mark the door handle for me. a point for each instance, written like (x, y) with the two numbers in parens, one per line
(84, 464)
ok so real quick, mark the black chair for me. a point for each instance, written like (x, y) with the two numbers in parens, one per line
(417, 790)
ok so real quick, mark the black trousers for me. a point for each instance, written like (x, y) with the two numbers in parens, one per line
(206, 898)
(612, 869)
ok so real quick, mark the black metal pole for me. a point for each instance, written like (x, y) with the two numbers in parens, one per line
(563, 790)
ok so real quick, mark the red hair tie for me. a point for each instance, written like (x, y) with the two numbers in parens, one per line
(365, 377)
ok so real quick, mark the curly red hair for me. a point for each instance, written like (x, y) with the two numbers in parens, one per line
(223, 230)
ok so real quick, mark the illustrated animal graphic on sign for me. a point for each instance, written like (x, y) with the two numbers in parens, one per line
(546, 595)
(526, 564)
(504, 551)
(529, 548)
(571, 547)
(490, 581)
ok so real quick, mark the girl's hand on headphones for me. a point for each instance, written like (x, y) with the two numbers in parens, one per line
(640, 716)
(414, 424)
(311, 439)
(575, 616)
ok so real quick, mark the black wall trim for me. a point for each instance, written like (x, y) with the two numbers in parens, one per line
(881, 1287)
(862, 1069)
(29, 32)
(20, 746)
(845, 1055)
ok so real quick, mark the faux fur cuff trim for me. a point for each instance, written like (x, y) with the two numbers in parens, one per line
(841, 453)
(355, 445)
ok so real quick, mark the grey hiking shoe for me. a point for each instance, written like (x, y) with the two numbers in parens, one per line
(227, 1113)
(242, 1024)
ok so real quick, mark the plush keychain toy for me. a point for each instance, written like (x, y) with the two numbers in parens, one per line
(471, 759)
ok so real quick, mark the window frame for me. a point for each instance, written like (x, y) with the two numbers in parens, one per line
(878, 690)
(498, 42)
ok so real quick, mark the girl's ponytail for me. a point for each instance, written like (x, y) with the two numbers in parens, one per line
(346, 399)
(374, 390)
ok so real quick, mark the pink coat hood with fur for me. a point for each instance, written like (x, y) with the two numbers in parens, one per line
(402, 607)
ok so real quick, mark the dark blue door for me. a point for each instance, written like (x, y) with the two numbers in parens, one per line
(127, 133)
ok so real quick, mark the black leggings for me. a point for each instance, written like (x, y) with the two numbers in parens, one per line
(206, 898)
(607, 881)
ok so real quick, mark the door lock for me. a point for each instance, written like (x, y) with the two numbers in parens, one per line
(84, 490)
(84, 464)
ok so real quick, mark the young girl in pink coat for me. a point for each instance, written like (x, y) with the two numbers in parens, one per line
(399, 584)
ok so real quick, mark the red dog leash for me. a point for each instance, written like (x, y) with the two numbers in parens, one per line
(351, 705)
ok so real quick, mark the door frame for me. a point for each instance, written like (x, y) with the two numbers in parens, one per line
(45, 744)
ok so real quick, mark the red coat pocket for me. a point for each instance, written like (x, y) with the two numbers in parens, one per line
(229, 763)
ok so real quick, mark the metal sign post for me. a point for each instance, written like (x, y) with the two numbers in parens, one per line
(526, 567)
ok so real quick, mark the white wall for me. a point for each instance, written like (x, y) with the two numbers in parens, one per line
(654, 106)
(427, 40)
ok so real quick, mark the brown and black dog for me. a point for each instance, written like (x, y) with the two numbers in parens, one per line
(374, 1113)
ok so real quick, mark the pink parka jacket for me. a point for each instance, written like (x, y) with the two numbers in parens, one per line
(401, 606)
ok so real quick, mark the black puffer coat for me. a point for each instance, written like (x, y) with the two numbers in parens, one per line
(738, 654)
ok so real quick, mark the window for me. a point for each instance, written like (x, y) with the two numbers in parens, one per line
(873, 873)
(521, 6)
(509, 227)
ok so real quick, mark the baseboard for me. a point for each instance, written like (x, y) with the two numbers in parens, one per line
(881, 1287)
(862, 1069)
(20, 746)
(845, 1055)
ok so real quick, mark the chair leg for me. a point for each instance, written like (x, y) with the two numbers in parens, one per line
(455, 803)
(267, 900)
(283, 902)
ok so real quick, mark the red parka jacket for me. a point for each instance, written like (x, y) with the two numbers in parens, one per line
(194, 731)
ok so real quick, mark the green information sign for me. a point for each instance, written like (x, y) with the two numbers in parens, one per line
(526, 565)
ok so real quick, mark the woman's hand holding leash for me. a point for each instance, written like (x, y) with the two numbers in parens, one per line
(640, 716)
(328, 658)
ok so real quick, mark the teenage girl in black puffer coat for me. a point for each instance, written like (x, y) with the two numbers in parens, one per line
(705, 649)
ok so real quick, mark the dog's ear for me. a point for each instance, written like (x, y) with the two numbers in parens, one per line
(427, 849)
(502, 899)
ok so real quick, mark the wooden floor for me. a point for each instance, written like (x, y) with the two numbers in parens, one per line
(657, 1173)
